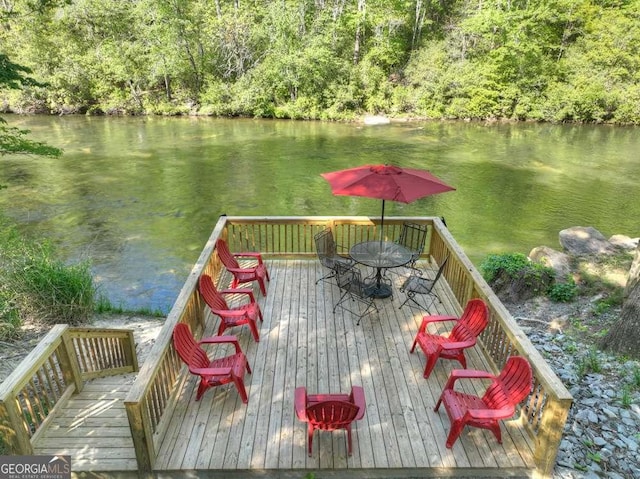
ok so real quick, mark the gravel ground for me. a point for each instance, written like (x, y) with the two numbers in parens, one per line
(602, 434)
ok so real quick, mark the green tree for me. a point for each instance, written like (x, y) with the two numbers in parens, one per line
(14, 140)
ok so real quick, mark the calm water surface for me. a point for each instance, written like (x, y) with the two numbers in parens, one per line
(140, 196)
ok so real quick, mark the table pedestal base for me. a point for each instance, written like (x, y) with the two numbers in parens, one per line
(378, 287)
(380, 291)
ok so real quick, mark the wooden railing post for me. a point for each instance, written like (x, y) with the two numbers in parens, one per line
(549, 435)
(142, 435)
(69, 362)
(130, 351)
(12, 428)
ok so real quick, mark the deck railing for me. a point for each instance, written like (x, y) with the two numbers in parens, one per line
(153, 395)
(57, 367)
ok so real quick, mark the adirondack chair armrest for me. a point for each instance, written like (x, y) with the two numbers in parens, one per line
(435, 319)
(456, 374)
(237, 270)
(256, 256)
(222, 339)
(233, 313)
(502, 413)
(246, 291)
(210, 371)
(471, 374)
(357, 398)
(300, 402)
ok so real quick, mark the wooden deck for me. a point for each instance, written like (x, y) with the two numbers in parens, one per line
(303, 344)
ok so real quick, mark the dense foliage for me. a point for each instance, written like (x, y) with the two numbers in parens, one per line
(554, 60)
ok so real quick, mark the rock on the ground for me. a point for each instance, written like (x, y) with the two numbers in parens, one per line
(556, 260)
(624, 242)
(581, 241)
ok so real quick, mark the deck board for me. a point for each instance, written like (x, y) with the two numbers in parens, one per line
(303, 343)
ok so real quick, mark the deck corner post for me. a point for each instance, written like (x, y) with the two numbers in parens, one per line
(142, 437)
(549, 436)
(69, 359)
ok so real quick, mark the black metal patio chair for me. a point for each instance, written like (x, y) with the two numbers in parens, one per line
(356, 295)
(417, 284)
(413, 236)
(327, 251)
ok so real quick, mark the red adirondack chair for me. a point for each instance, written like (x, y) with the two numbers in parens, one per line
(230, 316)
(499, 400)
(214, 372)
(463, 335)
(330, 412)
(245, 274)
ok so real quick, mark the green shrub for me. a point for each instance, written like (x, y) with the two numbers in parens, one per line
(509, 263)
(563, 292)
(514, 277)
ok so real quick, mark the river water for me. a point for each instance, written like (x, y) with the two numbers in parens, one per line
(140, 196)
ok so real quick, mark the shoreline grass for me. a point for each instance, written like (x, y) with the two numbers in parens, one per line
(35, 285)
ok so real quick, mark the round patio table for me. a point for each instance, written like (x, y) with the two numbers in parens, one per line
(380, 255)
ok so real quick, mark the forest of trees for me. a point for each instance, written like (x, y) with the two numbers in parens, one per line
(549, 60)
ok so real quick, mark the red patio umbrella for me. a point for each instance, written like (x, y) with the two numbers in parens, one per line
(385, 182)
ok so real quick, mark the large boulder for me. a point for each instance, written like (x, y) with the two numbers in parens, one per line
(557, 260)
(583, 241)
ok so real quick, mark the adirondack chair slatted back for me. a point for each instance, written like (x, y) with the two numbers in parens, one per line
(211, 295)
(188, 349)
(460, 333)
(228, 260)
(511, 386)
(475, 316)
(332, 415)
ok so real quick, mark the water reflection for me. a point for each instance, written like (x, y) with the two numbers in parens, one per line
(139, 196)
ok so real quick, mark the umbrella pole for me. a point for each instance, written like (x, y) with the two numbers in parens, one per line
(382, 223)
